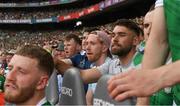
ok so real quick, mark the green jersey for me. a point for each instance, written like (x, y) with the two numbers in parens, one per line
(172, 14)
(47, 104)
(163, 97)
(140, 52)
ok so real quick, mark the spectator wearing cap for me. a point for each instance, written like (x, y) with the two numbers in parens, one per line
(86, 32)
(60, 54)
(60, 51)
(97, 50)
(9, 55)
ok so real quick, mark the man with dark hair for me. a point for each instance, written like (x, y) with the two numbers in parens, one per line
(30, 68)
(155, 75)
(128, 24)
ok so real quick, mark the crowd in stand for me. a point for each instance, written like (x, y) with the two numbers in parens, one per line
(52, 41)
(117, 49)
(29, 13)
(37, 14)
(12, 39)
(22, 1)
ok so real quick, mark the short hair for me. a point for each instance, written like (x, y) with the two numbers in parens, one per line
(152, 8)
(73, 36)
(141, 31)
(44, 58)
(129, 24)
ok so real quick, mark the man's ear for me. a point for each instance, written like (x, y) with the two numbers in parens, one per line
(42, 83)
(104, 49)
(136, 40)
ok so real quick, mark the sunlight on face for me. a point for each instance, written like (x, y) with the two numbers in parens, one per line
(21, 81)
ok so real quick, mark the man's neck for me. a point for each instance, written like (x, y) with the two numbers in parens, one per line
(101, 60)
(126, 59)
(34, 100)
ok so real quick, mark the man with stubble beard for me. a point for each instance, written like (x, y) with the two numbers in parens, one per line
(30, 68)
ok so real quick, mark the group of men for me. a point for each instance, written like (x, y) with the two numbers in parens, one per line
(31, 66)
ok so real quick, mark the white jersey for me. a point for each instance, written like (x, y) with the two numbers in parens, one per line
(159, 3)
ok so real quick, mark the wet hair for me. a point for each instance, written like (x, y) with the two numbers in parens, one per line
(44, 58)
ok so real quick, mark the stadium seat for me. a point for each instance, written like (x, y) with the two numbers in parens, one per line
(52, 93)
(72, 91)
(102, 98)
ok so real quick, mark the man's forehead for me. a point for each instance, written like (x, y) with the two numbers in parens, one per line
(92, 37)
(19, 58)
(148, 16)
(69, 41)
(119, 28)
(23, 62)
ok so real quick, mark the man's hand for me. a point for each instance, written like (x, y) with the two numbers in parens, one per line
(60, 65)
(134, 83)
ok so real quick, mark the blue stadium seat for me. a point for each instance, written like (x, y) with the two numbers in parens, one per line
(52, 93)
(72, 91)
(102, 98)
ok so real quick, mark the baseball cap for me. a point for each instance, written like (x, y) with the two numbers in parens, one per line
(103, 36)
(60, 47)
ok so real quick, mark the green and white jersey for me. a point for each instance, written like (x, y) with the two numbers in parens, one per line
(44, 102)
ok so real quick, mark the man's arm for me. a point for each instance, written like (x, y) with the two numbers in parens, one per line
(156, 50)
(143, 83)
(88, 76)
(61, 66)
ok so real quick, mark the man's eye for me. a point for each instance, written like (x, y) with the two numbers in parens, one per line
(146, 25)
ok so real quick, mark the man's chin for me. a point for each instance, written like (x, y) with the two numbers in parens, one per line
(11, 94)
(10, 98)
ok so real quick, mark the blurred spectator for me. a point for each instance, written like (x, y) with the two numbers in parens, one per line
(59, 51)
